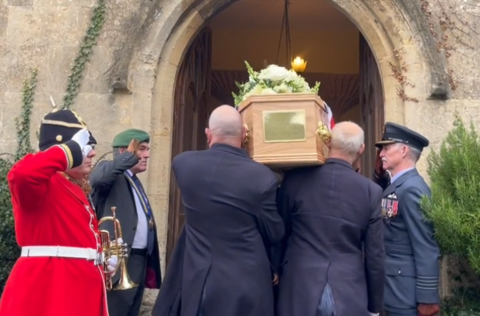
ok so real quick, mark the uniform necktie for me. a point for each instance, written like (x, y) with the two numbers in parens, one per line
(148, 213)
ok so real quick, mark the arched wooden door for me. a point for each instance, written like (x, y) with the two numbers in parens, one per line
(190, 117)
(371, 103)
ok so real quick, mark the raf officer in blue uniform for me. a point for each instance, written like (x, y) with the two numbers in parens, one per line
(411, 267)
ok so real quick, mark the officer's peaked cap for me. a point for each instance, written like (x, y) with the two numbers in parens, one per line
(395, 133)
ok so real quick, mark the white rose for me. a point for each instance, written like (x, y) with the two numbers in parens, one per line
(292, 76)
(283, 88)
(274, 73)
(268, 91)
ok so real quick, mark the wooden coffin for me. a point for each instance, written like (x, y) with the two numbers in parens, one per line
(283, 129)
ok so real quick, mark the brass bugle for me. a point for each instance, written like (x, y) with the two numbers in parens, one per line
(114, 248)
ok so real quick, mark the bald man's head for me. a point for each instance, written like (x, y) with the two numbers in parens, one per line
(225, 126)
(347, 140)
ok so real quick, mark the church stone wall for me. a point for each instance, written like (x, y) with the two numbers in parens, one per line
(129, 81)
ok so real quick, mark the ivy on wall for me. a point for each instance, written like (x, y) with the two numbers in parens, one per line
(22, 123)
(450, 30)
(83, 57)
(8, 244)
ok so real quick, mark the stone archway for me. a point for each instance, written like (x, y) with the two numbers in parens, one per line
(386, 26)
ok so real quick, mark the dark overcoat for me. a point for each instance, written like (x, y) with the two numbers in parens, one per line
(112, 188)
(230, 215)
(169, 300)
(334, 234)
(412, 267)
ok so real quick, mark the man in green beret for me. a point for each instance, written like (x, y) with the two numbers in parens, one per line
(115, 184)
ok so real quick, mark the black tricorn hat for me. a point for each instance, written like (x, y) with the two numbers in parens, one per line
(59, 126)
(395, 133)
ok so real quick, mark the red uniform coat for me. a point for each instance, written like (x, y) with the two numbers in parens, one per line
(49, 210)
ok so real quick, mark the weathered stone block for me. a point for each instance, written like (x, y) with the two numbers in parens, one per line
(72, 20)
(3, 23)
(65, 3)
(23, 3)
(25, 27)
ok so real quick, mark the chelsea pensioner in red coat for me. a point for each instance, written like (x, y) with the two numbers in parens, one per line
(60, 271)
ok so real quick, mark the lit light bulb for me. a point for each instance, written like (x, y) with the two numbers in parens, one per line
(299, 65)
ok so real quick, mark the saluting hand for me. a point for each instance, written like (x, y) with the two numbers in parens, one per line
(428, 309)
(82, 137)
(133, 146)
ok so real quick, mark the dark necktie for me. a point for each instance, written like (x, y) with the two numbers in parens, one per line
(147, 213)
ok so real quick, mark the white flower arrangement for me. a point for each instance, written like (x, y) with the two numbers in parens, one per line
(272, 80)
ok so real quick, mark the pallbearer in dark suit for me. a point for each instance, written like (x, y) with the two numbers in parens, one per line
(412, 269)
(115, 183)
(332, 259)
(220, 265)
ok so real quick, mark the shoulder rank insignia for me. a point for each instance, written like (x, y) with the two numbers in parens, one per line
(390, 206)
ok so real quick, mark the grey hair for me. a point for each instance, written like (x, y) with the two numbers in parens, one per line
(116, 151)
(348, 137)
(414, 153)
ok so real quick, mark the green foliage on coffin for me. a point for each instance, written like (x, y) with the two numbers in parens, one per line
(272, 80)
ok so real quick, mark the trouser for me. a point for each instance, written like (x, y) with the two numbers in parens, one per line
(327, 305)
(201, 309)
(128, 302)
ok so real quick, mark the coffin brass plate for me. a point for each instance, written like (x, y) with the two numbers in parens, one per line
(284, 126)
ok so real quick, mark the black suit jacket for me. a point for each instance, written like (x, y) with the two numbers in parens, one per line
(230, 217)
(112, 188)
(334, 234)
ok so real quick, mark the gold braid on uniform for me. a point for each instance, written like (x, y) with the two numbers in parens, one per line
(84, 184)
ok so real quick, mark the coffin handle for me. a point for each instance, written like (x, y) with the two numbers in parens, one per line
(247, 133)
(324, 132)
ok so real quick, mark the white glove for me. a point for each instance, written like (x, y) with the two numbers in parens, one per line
(372, 314)
(119, 241)
(82, 137)
(112, 263)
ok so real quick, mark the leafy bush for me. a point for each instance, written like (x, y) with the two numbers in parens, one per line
(454, 210)
(9, 249)
(8, 244)
(464, 302)
(455, 183)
